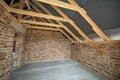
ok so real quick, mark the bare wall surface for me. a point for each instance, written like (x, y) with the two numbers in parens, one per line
(102, 57)
(20, 49)
(47, 45)
(6, 43)
(8, 27)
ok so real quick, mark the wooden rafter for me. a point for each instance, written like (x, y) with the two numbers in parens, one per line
(45, 28)
(15, 4)
(11, 3)
(65, 27)
(30, 13)
(39, 23)
(21, 5)
(40, 19)
(75, 7)
(52, 22)
(67, 36)
(95, 27)
(38, 11)
(73, 24)
(26, 1)
(59, 3)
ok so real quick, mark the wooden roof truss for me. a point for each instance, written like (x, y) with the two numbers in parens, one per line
(45, 20)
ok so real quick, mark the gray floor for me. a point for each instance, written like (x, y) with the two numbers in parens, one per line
(55, 70)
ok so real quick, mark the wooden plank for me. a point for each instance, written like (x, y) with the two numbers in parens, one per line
(15, 4)
(11, 3)
(59, 3)
(42, 27)
(62, 4)
(30, 13)
(26, 1)
(68, 36)
(43, 9)
(21, 5)
(95, 27)
(71, 33)
(65, 27)
(81, 11)
(38, 11)
(73, 24)
(39, 23)
(57, 21)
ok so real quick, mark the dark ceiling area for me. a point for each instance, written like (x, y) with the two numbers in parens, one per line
(105, 13)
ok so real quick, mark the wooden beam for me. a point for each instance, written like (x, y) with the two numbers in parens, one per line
(68, 36)
(40, 19)
(30, 13)
(59, 3)
(65, 27)
(15, 4)
(44, 28)
(52, 22)
(73, 6)
(26, 1)
(53, 29)
(38, 11)
(21, 5)
(57, 21)
(62, 4)
(73, 24)
(95, 27)
(43, 9)
(39, 23)
(70, 32)
(11, 3)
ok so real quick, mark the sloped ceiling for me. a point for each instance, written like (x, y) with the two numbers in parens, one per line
(105, 13)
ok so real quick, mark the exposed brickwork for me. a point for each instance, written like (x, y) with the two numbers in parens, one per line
(47, 45)
(6, 44)
(20, 49)
(43, 45)
(104, 58)
(7, 33)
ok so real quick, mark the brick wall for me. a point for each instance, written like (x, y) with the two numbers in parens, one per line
(6, 44)
(7, 33)
(104, 58)
(47, 45)
(20, 49)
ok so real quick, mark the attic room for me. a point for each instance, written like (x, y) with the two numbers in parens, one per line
(59, 40)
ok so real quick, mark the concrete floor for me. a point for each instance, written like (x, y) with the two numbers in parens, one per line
(54, 70)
